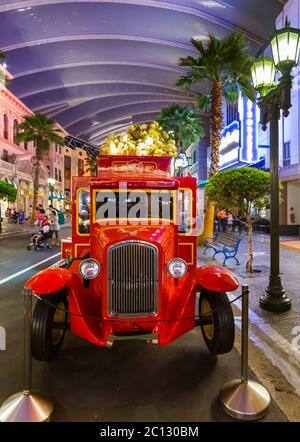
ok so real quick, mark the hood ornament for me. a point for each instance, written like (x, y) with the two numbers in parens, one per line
(133, 233)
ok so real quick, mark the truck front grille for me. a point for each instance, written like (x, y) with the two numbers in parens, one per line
(133, 279)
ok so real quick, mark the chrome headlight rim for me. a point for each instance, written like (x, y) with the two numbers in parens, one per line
(181, 260)
(90, 260)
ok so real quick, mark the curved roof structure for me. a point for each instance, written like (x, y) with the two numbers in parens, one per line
(96, 66)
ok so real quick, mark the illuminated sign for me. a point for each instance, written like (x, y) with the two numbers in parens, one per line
(230, 145)
(239, 139)
(133, 167)
(249, 149)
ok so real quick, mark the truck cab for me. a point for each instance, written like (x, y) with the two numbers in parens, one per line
(130, 269)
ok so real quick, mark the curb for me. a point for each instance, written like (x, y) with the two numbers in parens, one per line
(275, 347)
(27, 231)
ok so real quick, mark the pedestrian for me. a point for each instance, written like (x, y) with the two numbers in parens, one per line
(21, 217)
(229, 222)
(30, 212)
(222, 220)
(54, 227)
(216, 224)
(41, 209)
(38, 216)
(49, 210)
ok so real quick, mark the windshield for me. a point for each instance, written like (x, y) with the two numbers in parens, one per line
(139, 205)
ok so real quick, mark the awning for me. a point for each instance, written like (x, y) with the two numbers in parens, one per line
(202, 183)
(10, 181)
(54, 195)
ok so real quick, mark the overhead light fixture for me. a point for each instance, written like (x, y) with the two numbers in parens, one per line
(213, 4)
(24, 9)
(200, 37)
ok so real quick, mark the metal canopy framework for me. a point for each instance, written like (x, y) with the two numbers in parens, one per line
(74, 142)
(97, 66)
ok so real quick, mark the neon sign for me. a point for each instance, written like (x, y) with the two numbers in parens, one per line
(249, 148)
(230, 145)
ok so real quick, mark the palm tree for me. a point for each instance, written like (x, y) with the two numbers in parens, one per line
(42, 131)
(224, 68)
(92, 162)
(183, 122)
(2, 76)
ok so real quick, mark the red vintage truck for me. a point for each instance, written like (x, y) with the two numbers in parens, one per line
(130, 269)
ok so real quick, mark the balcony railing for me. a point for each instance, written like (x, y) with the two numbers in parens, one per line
(8, 167)
(23, 169)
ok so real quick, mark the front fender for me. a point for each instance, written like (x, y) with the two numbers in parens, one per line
(49, 281)
(215, 279)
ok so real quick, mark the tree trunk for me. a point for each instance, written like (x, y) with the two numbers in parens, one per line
(36, 176)
(216, 125)
(0, 220)
(249, 265)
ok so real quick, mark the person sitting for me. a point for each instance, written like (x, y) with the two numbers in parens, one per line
(42, 235)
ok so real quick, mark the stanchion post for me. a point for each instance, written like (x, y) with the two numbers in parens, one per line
(245, 334)
(27, 339)
(241, 398)
(26, 405)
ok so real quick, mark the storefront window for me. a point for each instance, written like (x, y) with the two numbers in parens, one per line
(83, 211)
(15, 131)
(5, 127)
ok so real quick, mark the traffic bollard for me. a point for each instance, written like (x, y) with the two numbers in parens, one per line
(26, 405)
(241, 398)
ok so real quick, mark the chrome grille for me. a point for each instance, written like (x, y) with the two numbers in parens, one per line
(132, 279)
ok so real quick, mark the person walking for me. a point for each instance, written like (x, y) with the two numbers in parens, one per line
(229, 222)
(222, 219)
(21, 217)
(54, 227)
(50, 209)
(41, 209)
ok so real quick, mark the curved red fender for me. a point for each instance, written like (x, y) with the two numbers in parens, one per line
(49, 281)
(215, 279)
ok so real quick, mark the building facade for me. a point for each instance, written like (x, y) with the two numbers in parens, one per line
(15, 158)
(289, 135)
(74, 161)
(63, 163)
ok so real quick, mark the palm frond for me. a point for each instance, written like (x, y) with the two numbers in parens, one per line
(203, 102)
(183, 122)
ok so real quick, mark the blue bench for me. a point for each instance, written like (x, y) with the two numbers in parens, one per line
(225, 243)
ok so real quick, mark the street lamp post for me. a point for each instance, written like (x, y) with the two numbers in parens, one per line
(285, 44)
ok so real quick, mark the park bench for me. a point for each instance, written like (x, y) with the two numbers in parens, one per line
(226, 243)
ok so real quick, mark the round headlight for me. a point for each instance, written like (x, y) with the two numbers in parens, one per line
(89, 268)
(177, 267)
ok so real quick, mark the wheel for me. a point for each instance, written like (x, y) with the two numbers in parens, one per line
(218, 332)
(49, 326)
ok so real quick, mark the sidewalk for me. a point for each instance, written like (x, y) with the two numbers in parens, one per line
(9, 229)
(276, 335)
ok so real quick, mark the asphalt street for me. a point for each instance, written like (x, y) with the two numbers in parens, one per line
(133, 381)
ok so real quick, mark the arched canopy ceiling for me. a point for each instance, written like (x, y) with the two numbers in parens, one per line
(96, 66)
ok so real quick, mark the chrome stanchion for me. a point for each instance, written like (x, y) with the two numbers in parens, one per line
(26, 405)
(241, 398)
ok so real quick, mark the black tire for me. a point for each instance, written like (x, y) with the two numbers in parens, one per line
(219, 335)
(46, 341)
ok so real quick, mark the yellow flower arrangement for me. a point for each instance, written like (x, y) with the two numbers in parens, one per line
(140, 139)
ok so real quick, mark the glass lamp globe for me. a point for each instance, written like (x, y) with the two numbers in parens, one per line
(285, 44)
(263, 74)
